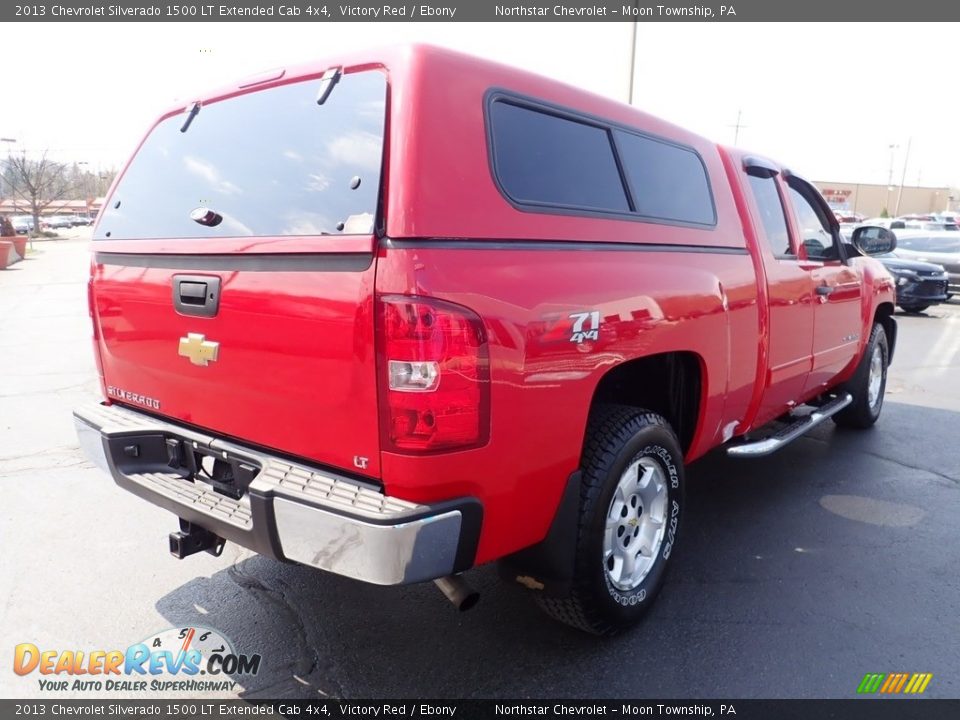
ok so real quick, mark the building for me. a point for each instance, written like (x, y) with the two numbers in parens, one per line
(88, 208)
(872, 200)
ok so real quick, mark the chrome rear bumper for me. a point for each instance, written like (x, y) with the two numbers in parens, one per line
(289, 510)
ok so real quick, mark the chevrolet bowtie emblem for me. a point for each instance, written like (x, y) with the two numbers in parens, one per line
(200, 350)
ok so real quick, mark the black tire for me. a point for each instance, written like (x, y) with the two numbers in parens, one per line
(618, 436)
(860, 413)
(914, 308)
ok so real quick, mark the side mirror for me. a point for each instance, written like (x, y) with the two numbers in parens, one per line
(874, 240)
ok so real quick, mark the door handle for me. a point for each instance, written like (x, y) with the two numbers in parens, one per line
(197, 295)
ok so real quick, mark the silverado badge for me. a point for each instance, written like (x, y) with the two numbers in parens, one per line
(200, 350)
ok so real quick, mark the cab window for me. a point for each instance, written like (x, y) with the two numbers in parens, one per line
(772, 214)
(816, 240)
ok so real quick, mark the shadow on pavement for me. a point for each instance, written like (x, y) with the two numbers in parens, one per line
(770, 594)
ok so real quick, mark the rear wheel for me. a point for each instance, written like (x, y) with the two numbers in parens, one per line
(868, 384)
(630, 504)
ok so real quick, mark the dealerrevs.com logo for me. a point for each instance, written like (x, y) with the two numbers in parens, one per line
(191, 659)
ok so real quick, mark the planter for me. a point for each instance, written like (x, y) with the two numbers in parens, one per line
(8, 254)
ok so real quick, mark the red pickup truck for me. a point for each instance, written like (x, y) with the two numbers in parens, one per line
(403, 313)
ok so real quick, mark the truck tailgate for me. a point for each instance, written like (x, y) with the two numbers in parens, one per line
(286, 362)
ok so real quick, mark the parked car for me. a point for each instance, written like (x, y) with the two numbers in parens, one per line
(890, 223)
(933, 225)
(941, 248)
(496, 328)
(846, 218)
(57, 222)
(902, 223)
(919, 284)
(23, 224)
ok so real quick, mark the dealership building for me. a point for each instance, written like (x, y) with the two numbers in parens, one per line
(872, 200)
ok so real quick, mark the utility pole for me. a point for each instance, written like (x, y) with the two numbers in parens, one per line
(903, 177)
(736, 128)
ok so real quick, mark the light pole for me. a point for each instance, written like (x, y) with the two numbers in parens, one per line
(903, 178)
(633, 59)
(886, 203)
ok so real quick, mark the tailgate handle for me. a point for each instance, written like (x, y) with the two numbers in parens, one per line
(197, 295)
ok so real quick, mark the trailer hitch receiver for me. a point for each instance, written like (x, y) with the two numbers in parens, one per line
(192, 539)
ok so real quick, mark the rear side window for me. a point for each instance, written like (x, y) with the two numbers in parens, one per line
(549, 160)
(270, 163)
(669, 182)
(556, 159)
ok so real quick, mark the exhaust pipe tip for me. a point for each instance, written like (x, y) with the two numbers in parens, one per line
(458, 591)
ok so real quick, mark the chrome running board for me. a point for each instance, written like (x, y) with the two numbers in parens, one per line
(759, 448)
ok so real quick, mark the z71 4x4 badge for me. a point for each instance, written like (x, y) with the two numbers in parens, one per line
(584, 330)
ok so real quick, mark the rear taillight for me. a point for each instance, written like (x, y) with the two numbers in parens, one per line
(92, 311)
(434, 387)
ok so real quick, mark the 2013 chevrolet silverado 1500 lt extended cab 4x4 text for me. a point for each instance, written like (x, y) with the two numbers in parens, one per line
(400, 314)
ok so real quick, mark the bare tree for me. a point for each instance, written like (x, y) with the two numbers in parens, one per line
(86, 184)
(36, 182)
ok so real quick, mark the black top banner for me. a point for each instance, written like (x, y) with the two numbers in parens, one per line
(479, 10)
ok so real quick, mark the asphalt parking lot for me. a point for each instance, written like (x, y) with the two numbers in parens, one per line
(796, 574)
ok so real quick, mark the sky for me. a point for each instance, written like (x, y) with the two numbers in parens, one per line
(826, 99)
